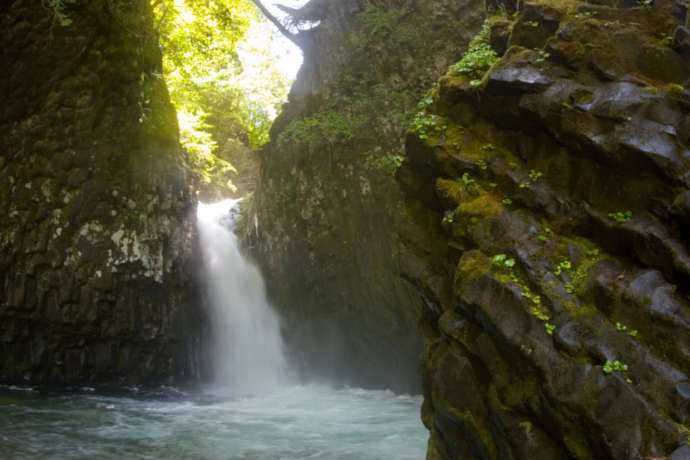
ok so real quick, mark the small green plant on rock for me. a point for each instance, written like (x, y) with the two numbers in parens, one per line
(507, 201)
(592, 252)
(386, 24)
(501, 260)
(564, 265)
(329, 126)
(532, 23)
(579, 276)
(58, 7)
(620, 216)
(424, 124)
(616, 365)
(482, 164)
(570, 287)
(534, 176)
(584, 15)
(622, 328)
(488, 147)
(538, 310)
(543, 56)
(478, 58)
(448, 217)
(543, 236)
(387, 164)
(465, 180)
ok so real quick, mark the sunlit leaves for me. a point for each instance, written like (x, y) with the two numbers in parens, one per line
(219, 92)
(198, 39)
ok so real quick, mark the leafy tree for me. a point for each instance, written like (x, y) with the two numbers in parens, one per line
(217, 94)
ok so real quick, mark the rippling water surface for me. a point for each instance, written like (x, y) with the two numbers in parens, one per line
(292, 422)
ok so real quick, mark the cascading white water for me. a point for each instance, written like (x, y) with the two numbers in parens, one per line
(247, 345)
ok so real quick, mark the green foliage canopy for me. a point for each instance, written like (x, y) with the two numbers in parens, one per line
(218, 94)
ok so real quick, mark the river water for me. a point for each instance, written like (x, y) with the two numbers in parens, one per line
(256, 409)
(291, 422)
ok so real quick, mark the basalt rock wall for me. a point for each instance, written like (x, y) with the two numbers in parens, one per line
(324, 217)
(96, 215)
(549, 236)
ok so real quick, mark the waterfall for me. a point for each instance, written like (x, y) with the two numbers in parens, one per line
(247, 347)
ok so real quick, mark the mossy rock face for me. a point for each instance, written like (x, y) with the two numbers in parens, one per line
(97, 207)
(559, 324)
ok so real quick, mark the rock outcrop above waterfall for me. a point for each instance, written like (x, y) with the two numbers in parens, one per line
(323, 222)
(96, 206)
(549, 209)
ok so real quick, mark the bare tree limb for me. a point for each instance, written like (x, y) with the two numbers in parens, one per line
(294, 38)
(294, 12)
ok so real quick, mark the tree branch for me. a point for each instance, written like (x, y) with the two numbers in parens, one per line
(283, 30)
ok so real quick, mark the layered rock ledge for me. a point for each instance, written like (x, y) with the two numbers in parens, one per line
(548, 209)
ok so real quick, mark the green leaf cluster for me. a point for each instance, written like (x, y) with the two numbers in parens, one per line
(330, 126)
(385, 24)
(424, 124)
(615, 365)
(387, 164)
(563, 265)
(478, 58)
(58, 7)
(544, 237)
(621, 216)
(538, 310)
(215, 97)
(199, 39)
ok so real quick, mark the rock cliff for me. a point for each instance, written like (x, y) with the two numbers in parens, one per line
(97, 208)
(547, 193)
(323, 222)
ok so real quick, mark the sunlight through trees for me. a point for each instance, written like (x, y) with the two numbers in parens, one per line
(222, 73)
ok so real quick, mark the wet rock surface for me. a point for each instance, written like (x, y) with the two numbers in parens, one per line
(96, 221)
(548, 236)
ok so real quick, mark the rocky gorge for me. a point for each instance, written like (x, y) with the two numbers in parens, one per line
(487, 202)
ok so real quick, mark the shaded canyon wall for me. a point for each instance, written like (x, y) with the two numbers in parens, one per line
(97, 207)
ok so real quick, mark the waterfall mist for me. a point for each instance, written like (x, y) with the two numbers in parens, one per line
(246, 344)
